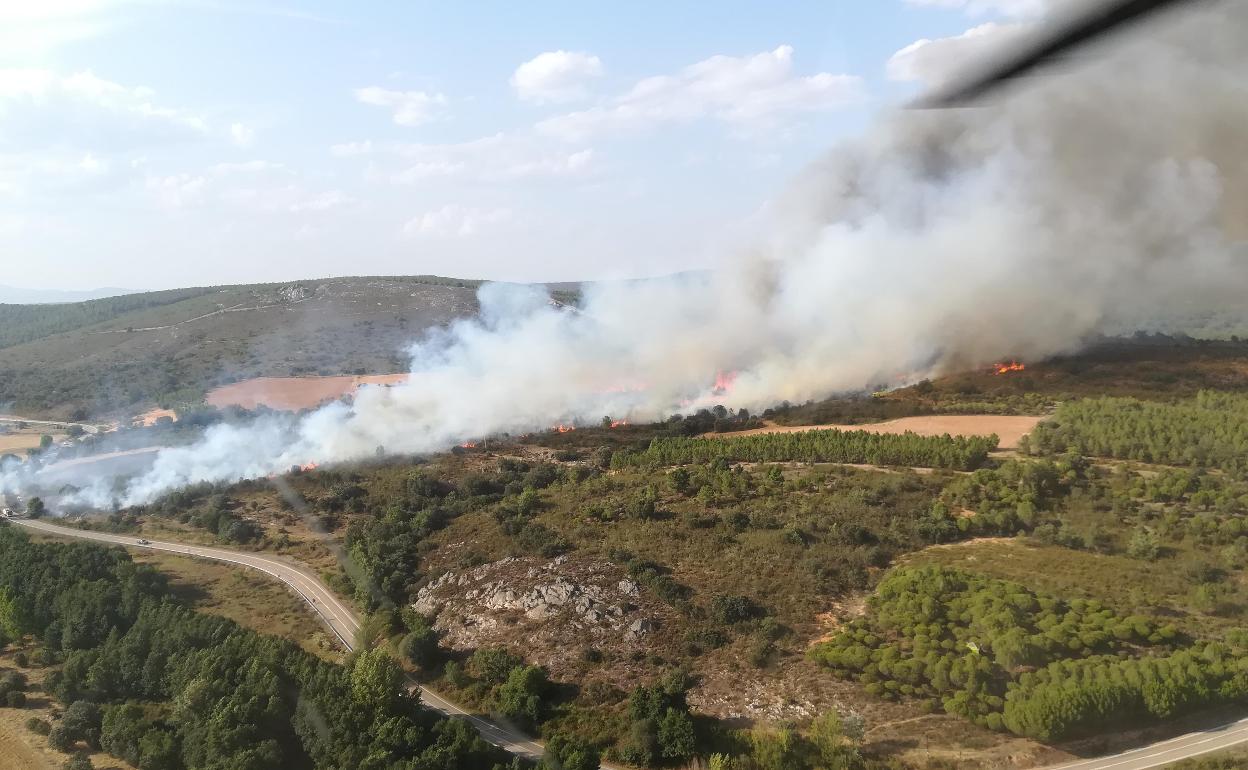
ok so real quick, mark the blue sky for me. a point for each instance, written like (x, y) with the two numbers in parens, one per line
(150, 145)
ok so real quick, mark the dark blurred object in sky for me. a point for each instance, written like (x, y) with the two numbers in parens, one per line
(1104, 17)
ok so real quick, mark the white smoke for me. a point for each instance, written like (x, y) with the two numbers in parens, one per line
(938, 239)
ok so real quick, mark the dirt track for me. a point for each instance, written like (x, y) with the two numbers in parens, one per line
(294, 393)
(1009, 428)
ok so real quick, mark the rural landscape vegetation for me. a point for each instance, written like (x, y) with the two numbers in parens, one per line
(720, 589)
(889, 412)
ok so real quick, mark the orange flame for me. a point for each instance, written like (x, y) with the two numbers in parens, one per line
(1004, 368)
(308, 467)
(469, 445)
(618, 423)
(723, 382)
(561, 428)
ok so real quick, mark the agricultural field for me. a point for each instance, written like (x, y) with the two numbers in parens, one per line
(121, 356)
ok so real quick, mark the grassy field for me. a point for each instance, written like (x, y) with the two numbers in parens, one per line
(18, 443)
(247, 597)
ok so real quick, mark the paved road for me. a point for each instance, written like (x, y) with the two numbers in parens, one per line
(86, 427)
(346, 624)
(340, 618)
(1165, 752)
(88, 459)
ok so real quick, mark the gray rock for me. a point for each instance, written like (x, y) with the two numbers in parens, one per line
(640, 627)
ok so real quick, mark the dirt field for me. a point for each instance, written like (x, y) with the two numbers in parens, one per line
(294, 393)
(149, 418)
(18, 443)
(1008, 428)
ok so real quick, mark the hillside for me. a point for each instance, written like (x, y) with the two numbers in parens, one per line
(797, 578)
(120, 355)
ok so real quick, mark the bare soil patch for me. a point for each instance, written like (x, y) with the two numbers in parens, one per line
(1009, 428)
(149, 418)
(294, 393)
(20, 442)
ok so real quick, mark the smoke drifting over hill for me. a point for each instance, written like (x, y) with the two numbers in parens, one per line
(1089, 201)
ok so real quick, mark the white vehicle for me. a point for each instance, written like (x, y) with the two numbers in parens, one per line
(144, 541)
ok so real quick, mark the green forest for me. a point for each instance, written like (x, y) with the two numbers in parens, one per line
(1009, 658)
(831, 445)
(167, 688)
(1207, 431)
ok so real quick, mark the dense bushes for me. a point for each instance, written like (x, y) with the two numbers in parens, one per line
(1072, 697)
(959, 452)
(1210, 430)
(1010, 498)
(216, 695)
(967, 643)
(662, 730)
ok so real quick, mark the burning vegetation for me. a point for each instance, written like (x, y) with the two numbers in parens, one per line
(1007, 367)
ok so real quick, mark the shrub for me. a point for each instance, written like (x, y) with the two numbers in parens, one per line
(728, 610)
(569, 753)
(520, 697)
(78, 762)
(493, 665)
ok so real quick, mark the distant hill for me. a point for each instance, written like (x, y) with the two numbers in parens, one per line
(12, 295)
(119, 355)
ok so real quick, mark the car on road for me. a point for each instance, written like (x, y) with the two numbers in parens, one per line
(144, 541)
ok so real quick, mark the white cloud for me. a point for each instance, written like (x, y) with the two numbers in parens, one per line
(1014, 9)
(243, 136)
(41, 108)
(555, 76)
(54, 174)
(325, 201)
(453, 221)
(757, 89)
(934, 62)
(177, 190)
(351, 149)
(493, 158)
(35, 27)
(246, 167)
(410, 108)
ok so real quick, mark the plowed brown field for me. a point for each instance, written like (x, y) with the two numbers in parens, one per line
(294, 393)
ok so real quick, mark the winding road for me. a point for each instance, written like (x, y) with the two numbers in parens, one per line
(341, 619)
(345, 624)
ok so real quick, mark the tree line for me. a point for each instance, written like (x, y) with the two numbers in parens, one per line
(167, 688)
(831, 445)
(1207, 431)
(1006, 657)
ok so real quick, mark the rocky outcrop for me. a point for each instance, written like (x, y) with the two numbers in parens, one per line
(563, 604)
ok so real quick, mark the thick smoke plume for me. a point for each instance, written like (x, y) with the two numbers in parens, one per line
(1103, 196)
